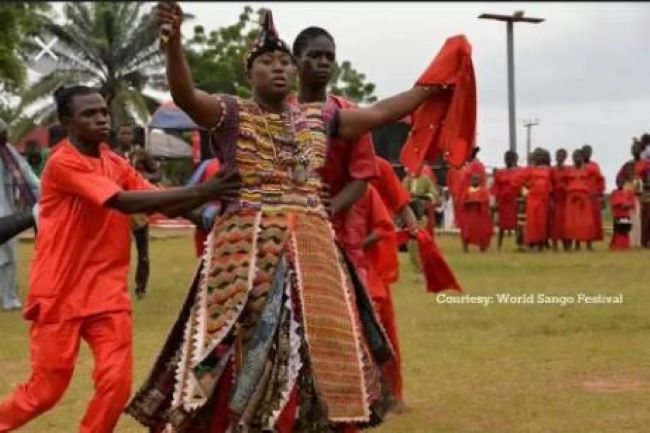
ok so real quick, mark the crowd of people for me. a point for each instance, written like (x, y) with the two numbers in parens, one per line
(544, 205)
(288, 324)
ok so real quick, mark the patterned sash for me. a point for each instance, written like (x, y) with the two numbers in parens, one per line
(17, 175)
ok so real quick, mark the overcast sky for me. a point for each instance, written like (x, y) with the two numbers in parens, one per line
(584, 72)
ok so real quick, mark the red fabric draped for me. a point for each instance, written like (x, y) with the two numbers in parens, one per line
(437, 272)
(477, 226)
(538, 181)
(506, 193)
(579, 209)
(597, 186)
(557, 227)
(445, 124)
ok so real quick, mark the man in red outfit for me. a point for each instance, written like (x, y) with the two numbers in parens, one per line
(473, 165)
(536, 181)
(579, 217)
(505, 194)
(622, 202)
(597, 186)
(557, 230)
(370, 221)
(350, 164)
(477, 224)
(78, 288)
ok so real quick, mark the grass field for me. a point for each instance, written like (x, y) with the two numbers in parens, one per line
(504, 368)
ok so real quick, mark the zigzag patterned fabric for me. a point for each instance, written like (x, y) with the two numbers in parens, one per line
(272, 309)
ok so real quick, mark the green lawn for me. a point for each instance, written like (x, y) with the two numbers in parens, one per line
(535, 368)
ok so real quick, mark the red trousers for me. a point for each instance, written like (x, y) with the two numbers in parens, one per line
(54, 348)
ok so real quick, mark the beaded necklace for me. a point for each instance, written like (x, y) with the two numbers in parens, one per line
(297, 163)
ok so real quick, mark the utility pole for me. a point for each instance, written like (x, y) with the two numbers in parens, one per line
(528, 124)
(518, 16)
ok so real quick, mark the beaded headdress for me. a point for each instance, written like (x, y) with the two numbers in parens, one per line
(267, 41)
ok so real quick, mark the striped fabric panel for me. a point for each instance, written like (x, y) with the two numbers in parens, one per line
(333, 339)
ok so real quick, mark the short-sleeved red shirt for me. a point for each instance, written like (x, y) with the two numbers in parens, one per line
(348, 160)
(389, 187)
(83, 248)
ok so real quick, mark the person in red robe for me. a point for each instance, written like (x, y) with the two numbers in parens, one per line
(473, 165)
(477, 226)
(622, 202)
(579, 221)
(536, 183)
(558, 201)
(395, 197)
(597, 188)
(642, 174)
(505, 194)
(349, 167)
(378, 263)
(632, 175)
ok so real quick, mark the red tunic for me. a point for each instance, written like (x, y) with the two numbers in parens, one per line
(477, 226)
(378, 265)
(366, 215)
(347, 161)
(558, 204)
(579, 209)
(389, 187)
(83, 248)
(622, 202)
(538, 181)
(597, 188)
(395, 197)
(506, 193)
(463, 182)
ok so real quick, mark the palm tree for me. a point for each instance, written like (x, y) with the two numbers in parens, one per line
(109, 45)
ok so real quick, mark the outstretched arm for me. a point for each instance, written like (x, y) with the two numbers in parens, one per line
(177, 201)
(202, 107)
(13, 224)
(355, 121)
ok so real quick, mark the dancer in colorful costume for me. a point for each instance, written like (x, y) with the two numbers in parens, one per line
(274, 334)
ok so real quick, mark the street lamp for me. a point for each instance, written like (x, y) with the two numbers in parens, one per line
(528, 124)
(517, 16)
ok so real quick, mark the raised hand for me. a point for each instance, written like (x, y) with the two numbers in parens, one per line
(168, 17)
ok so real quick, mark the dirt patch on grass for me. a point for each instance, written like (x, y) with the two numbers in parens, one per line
(613, 384)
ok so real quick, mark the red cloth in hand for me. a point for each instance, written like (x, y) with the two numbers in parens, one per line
(445, 123)
(437, 272)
